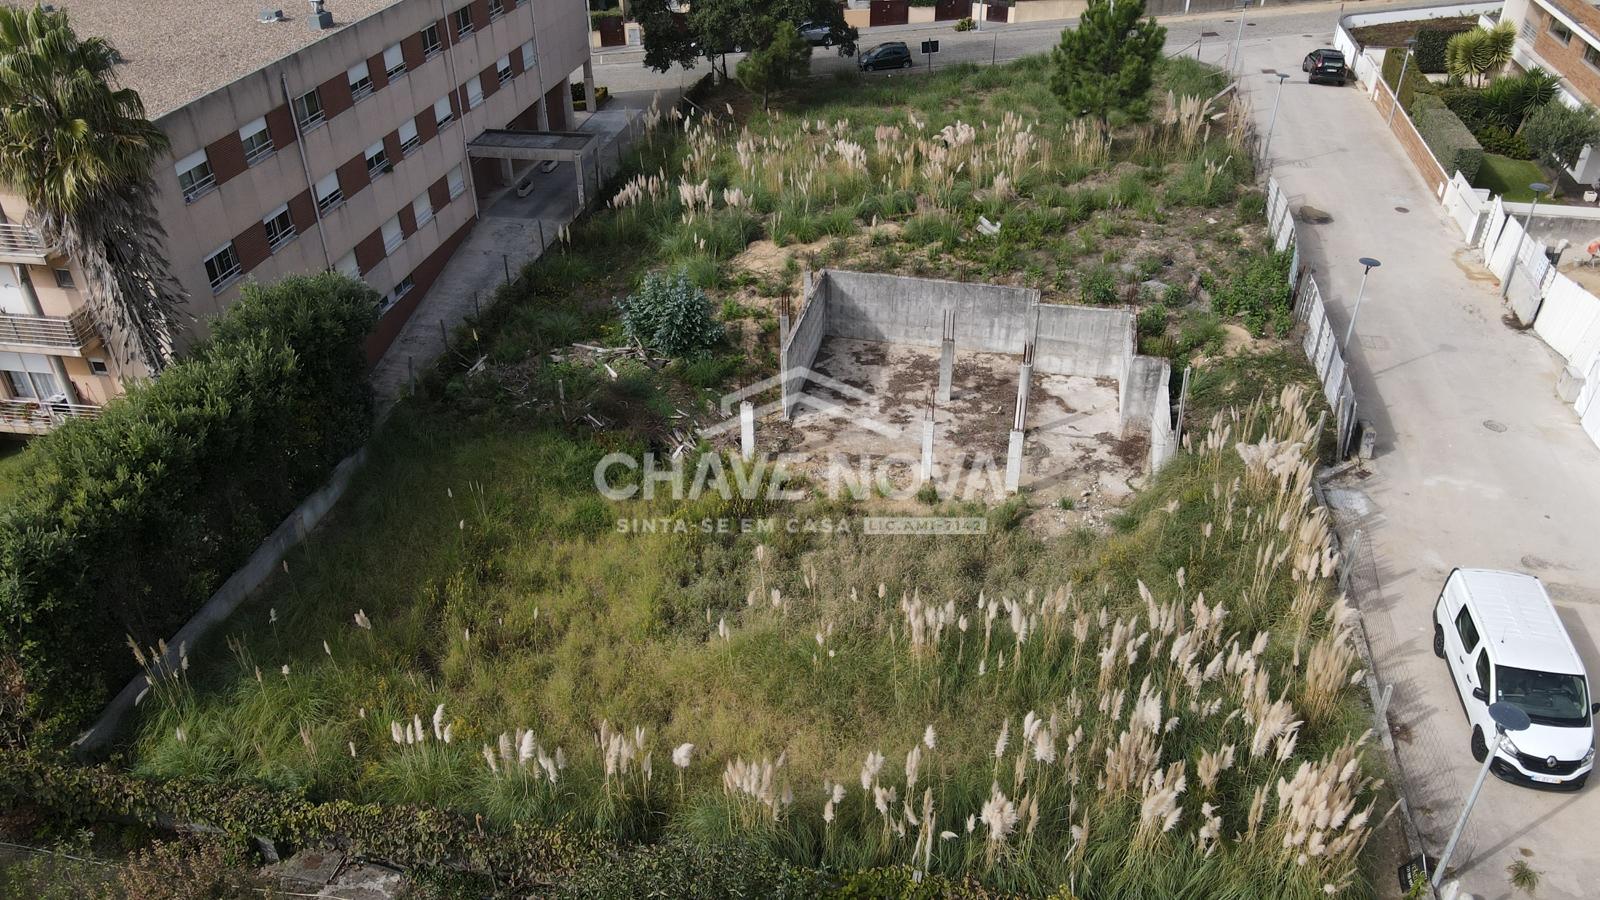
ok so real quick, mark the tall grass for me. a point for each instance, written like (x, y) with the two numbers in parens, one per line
(1166, 710)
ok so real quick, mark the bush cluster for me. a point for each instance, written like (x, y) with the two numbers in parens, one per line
(1416, 82)
(1428, 52)
(1448, 137)
(127, 523)
(1258, 292)
(670, 314)
(444, 848)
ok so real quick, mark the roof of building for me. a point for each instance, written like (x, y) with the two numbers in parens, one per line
(1586, 16)
(175, 53)
(1516, 615)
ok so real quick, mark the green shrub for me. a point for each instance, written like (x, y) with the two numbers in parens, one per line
(1416, 82)
(1498, 140)
(965, 24)
(1557, 133)
(1257, 292)
(1187, 77)
(670, 314)
(1469, 105)
(1152, 320)
(1253, 206)
(128, 522)
(1428, 53)
(1098, 285)
(1450, 140)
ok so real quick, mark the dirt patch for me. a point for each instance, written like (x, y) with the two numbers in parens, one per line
(1238, 340)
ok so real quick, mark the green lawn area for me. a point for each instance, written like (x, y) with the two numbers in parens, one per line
(1509, 177)
(12, 458)
(1158, 707)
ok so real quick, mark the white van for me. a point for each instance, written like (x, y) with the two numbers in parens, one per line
(1503, 641)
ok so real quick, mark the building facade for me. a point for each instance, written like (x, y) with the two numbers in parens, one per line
(299, 144)
(1562, 36)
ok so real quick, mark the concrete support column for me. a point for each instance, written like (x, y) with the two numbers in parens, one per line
(507, 174)
(541, 115)
(578, 170)
(747, 431)
(1019, 422)
(1014, 461)
(927, 447)
(947, 356)
(588, 87)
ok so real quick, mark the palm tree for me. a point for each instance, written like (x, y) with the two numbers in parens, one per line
(79, 151)
(1479, 53)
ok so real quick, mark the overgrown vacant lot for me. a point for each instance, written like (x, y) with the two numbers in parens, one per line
(893, 176)
(1020, 710)
(1164, 709)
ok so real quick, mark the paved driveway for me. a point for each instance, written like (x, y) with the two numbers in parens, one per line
(1479, 464)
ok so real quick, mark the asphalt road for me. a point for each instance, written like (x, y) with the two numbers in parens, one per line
(1479, 464)
(1212, 35)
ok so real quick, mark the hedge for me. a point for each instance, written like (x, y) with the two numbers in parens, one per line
(1428, 52)
(1450, 140)
(126, 523)
(440, 846)
(1416, 82)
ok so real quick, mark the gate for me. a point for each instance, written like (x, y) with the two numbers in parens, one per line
(946, 10)
(997, 12)
(889, 12)
(612, 32)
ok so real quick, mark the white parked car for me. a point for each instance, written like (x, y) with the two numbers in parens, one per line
(1503, 641)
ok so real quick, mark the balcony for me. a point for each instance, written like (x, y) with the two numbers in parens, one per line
(21, 244)
(38, 417)
(62, 335)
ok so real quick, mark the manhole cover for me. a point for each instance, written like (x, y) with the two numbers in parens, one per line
(1401, 209)
(1211, 33)
(1314, 216)
(1492, 425)
(1249, 24)
(1269, 71)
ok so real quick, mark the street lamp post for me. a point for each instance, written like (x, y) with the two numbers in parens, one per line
(1538, 187)
(1233, 64)
(1370, 264)
(1506, 718)
(1404, 61)
(1273, 120)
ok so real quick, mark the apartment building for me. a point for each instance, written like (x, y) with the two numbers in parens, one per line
(1562, 36)
(334, 136)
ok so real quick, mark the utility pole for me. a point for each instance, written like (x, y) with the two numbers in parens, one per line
(1370, 264)
(1273, 120)
(1538, 187)
(1506, 718)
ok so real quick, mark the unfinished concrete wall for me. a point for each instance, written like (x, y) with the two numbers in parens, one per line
(1146, 406)
(861, 306)
(1146, 376)
(1082, 340)
(800, 348)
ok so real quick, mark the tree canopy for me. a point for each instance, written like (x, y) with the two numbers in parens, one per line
(79, 151)
(1479, 53)
(775, 66)
(713, 28)
(1106, 64)
(1558, 133)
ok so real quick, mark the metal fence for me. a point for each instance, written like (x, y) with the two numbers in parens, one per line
(1320, 342)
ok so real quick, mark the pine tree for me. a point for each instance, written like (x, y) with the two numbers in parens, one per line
(1104, 66)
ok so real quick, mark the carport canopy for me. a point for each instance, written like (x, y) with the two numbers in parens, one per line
(561, 146)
